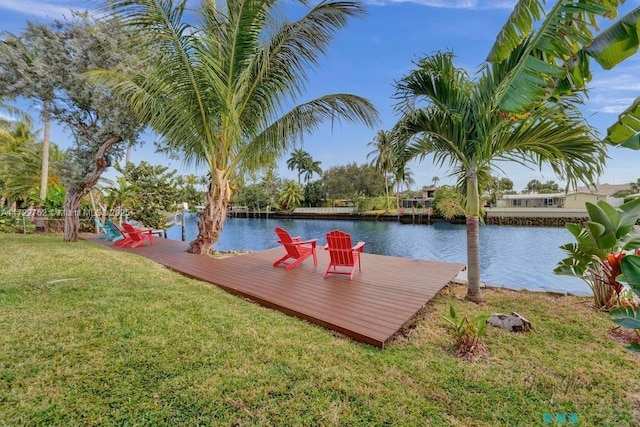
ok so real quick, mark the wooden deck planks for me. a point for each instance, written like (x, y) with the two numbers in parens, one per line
(371, 308)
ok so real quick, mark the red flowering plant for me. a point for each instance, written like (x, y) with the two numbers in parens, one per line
(612, 289)
(602, 243)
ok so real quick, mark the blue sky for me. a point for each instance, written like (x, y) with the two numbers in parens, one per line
(379, 49)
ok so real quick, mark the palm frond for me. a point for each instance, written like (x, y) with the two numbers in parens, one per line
(278, 69)
(275, 139)
(564, 142)
(437, 81)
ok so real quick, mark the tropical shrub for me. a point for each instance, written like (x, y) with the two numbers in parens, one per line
(148, 193)
(628, 315)
(467, 333)
(448, 202)
(15, 222)
(601, 245)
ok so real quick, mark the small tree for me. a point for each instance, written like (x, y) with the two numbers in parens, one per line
(313, 193)
(155, 190)
(102, 125)
(448, 202)
(351, 180)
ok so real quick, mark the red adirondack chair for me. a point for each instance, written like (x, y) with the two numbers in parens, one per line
(343, 256)
(137, 236)
(122, 237)
(297, 249)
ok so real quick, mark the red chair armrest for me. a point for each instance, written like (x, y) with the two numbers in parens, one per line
(359, 247)
(305, 242)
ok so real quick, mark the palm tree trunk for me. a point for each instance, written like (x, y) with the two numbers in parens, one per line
(127, 157)
(44, 175)
(386, 189)
(473, 240)
(215, 212)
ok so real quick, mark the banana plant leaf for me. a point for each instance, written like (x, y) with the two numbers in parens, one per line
(547, 63)
(630, 266)
(625, 132)
(618, 42)
(626, 317)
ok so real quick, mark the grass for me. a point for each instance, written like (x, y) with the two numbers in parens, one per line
(93, 336)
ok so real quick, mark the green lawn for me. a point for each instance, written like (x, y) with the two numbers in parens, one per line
(93, 336)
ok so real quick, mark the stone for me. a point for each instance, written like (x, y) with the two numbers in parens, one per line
(513, 322)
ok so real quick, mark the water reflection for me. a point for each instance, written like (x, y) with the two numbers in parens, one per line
(510, 256)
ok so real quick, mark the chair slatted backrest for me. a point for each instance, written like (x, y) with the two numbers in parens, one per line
(134, 233)
(286, 241)
(117, 233)
(101, 227)
(340, 248)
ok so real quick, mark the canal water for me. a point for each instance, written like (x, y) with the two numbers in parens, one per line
(513, 257)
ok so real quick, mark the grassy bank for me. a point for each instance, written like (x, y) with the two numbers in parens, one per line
(93, 336)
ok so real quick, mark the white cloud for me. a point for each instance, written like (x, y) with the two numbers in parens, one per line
(609, 104)
(42, 9)
(7, 117)
(454, 4)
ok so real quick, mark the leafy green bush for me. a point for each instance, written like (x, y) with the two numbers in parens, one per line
(448, 202)
(595, 257)
(15, 222)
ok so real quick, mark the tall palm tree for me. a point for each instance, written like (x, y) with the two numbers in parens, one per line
(27, 57)
(404, 179)
(311, 167)
(402, 174)
(299, 158)
(220, 80)
(384, 157)
(459, 122)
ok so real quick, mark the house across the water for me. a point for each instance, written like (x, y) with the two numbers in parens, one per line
(572, 200)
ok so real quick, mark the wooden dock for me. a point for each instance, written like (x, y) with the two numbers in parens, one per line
(371, 308)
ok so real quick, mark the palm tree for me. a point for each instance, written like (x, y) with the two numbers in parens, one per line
(435, 181)
(271, 184)
(292, 195)
(384, 157)
(217, 86)
(123, 196)
(311, 167)
(299, 158)
(27, 59)
(20, 163)
(404, 179)
(461, 124)
(402, 174)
